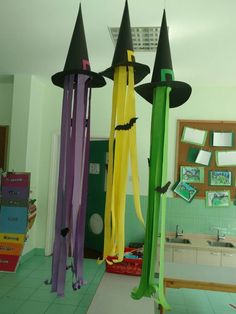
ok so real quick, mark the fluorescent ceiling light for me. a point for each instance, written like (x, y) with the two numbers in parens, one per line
(144, 38)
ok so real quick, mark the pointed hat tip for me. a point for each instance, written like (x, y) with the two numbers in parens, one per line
(126, 8)
(80, 8)
(164, 17)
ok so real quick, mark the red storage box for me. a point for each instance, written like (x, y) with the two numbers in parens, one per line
(8, 262)
(129, 266)
(16, 179)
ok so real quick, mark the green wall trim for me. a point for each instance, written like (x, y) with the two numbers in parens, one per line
(39, 252)
(26, 257)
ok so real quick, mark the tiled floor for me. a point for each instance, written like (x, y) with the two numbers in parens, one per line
(182, 301)
(24, 292)
(188, 301)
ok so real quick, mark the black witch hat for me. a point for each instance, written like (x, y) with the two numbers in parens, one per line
(124, 43)
(163, 74)
(77, 61)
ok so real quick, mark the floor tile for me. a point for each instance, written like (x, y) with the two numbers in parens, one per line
(32, 307)
(233, 298)
(177, 309)
(220, 301)
(196, 301)
(200, 310)
(60, 309)
(10, 281)
(20, 293)
(31, 282)
(43, 295)
(4, 289)
(9, 305)
(24, 292)
(86, 300)
(81, 310)
(175, 296)
(72, 298)
(225, 311)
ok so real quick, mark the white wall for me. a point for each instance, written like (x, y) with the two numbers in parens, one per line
(6, 87)
(35, 116)
(51, 118)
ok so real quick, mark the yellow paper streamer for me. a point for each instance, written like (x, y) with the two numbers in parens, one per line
(123, 109)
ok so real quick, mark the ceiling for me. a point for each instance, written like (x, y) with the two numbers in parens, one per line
(35, 35)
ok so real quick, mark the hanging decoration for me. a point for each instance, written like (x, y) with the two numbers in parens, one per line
(77, 80)
(163, 92)
(122, 142)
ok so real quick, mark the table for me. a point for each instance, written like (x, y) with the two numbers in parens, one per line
(200, 277)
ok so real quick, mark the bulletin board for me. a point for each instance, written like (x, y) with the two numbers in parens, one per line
(183, 150)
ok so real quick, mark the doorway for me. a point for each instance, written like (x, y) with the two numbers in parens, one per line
(94, 229)
(4, 130)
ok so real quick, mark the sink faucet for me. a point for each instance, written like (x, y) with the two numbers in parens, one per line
(220, 236)
(177, 232)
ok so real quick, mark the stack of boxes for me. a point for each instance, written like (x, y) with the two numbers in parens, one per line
(15, 188)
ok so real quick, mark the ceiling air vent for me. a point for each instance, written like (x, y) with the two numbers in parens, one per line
(144, 38)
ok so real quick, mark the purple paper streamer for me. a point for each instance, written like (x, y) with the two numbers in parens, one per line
(72, 183)
(80, 228)
(59, 249)
(79, 153)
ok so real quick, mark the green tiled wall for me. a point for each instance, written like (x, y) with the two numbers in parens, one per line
(195, 217)
(192, 217)
(134, 230)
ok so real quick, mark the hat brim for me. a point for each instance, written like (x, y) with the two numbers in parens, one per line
(96, 79)
(180, 91)
(140, 71)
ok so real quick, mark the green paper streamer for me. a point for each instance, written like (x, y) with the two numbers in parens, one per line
(156, 201)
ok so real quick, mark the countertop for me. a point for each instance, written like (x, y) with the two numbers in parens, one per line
(199, 241)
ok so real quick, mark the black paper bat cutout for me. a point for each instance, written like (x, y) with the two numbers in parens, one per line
(64, 232)
(126, 126)
(163, 189)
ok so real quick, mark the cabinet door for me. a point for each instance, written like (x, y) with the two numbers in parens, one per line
(228, 259)
(206, 257)
(168, 254)
(186, 256)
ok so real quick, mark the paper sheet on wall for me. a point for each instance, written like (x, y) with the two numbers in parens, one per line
(226, 158)
(222, 139)
(203, 157)
(194, 136)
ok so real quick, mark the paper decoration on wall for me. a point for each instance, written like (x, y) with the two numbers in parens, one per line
(185, 190)
(76, 79)
(224, 139)
(192, 154)
(203, 157)
(192, 174)
(217, 198)
(225, 158)
(163, 92)
(124, 71)
(13, 218)
(220, 178)
(194, 136)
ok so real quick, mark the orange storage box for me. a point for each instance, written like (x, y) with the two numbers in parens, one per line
(129, 266)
